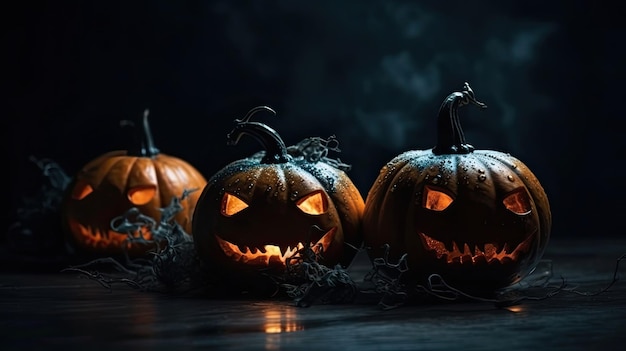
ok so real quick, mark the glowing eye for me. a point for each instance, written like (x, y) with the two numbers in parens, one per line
(517, 202)
(141, 195)
(81, 190)
(313, 204)
(436, 200)
(232, 205)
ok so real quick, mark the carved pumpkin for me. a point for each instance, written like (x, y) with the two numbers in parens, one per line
(478, 218)
(258, 211)
(113, 183)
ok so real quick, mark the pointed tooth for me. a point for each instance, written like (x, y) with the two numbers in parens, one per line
(289, 252)
(455, 249)
(466, 250)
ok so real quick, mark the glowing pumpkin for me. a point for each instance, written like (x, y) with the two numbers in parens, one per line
(257, 212)
(478, 218)
(113, 183)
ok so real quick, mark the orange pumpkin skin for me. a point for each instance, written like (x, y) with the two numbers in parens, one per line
(478, 218)
(113, 183)
(272, 189)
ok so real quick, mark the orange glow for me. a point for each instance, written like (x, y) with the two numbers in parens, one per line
(141, 195)
(518, 202)
(232, 205)
(95, 238)
(81, 190)
(271, 253)
(281, 321)
(487, 254)
(313, 204)
(436, 200)
(515, 309)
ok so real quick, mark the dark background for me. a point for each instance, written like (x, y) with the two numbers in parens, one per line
(373, 73)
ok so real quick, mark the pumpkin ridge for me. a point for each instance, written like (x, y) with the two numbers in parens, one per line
(281, 180)
(145, 167)
(158, 166)
(114, 178)
(178, 167)
(256, 173)
(98, 169)
(486, 176)
(390, 198)
(351, 199)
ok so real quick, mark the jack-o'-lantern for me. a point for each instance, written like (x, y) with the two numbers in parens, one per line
(113, 183)
(257, 212)
(480, 219)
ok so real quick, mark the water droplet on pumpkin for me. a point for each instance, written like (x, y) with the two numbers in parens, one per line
(482, 177)
(510, 178)
(293, 195)
(436, 179)
(268, 189)
(251, 185)
(481, 171)
(514, 166)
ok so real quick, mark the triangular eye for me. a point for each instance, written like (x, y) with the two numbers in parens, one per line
(517, 202)
(436, 200)
(232, 205)
(313, 204)
(81, 190)
(141, 195)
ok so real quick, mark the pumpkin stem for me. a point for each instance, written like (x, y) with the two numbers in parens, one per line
(144, 145)
(275, 149)
(148, 148)
(450, 137)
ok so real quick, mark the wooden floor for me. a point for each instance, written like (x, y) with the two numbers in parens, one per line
(65, 311)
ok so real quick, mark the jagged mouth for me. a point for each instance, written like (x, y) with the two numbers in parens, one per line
(489, 253)
(272, 254)
(95, 237)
